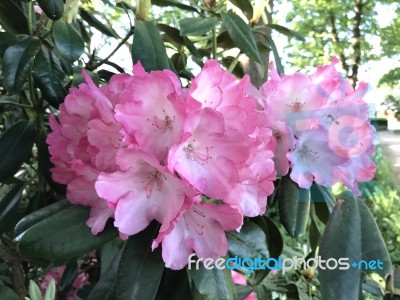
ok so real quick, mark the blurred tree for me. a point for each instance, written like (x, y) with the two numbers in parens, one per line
(343, 28)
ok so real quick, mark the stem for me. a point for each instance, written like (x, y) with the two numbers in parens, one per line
(234, 63)
(214, 43)
(30, 17)
(115, 50)
(17, 104)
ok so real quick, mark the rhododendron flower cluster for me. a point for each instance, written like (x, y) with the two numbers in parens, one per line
(321, 126)
(199, 159)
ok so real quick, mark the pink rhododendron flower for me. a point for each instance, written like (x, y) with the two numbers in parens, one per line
(199, 227)
(239, 278)
(81, 280)
(143, 191)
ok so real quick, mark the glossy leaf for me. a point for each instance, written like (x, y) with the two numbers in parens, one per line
(12, 17)
(6, 39)
(179, 280)
(39, 215)
(7, 293)
(15, 147)
(174, 3)
(94, 22)
(67, 41)
(8, 205)
(212, 284)
(17, 62)
(140, 268)
(285, 31)
(105, 287)
(51, 290)
(274, 237)
(197, 26)
(54, 9)
(241, 35)
(34, 291)
(245, 6)
(249, 242)
(294, 206)
(48, 75)
(350, 233)
(46, 240)
(148, 47)
(278, 62)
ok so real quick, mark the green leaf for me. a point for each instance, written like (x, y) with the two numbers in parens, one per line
(67, 41)
(241, 35)
(285, 31)
(15, 147)
(94, 22)
(8, 206)
(148, 47)
(321, 193)
(278, 62)
(6, 39)
(212, 284)
(48, 75)
(197, 26)
(17, 62)
(54, 9)
(140, 268)
(249, 242)
(105, 287)
(179, 280)
(62, 236)
(51, 290)
(294, 206)
(12, 17)
(245, 6)
(8, 294)
(34, 291)
(352, 233)
(39, 215)
(164, 3)
(274, 237)
(68, 278)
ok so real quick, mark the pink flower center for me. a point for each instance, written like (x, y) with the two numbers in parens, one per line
(307, 154)
(154, 179)
(296, 106)
(195, 154)
(163, 124)
(195, 225)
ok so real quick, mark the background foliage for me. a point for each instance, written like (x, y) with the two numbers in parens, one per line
(43, 54)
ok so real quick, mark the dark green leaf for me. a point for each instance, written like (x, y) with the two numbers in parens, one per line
(140, 268)
(249, 242)
(94, 22)
(321, 193)
(350, 233)
(17, 62)
(54, 9)
(178, 4)
(6, 39)
(15, 147)
(177, 279)
(245, 6)
(197, 26)
(372, 287)
(8, 294)
(8, 205)
(286, 31)
(12, 17)
(294, 206)
(69, 275)
(48, 75)
(62, 236)
(212, 284)
(274, 237)
(105, 287)
(241, 35)
(278, 62)
(148, 47)
(39, 215)
(67, 41)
